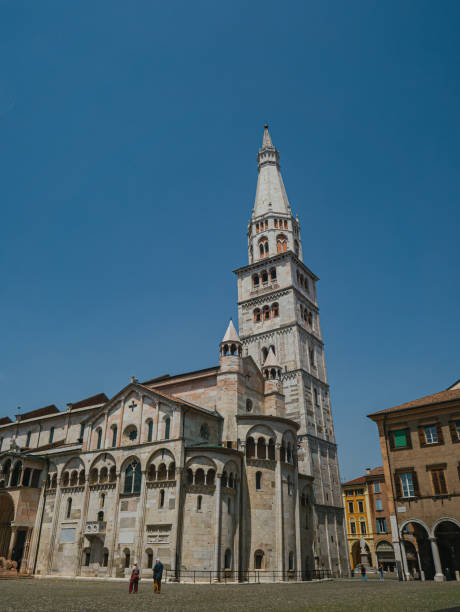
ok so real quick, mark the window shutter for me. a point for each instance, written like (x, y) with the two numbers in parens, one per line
(442, 482)
(415, 482)
(398, 485)
(421, 436)
(408, 438)
(391, 440)
(453, 432)
(439, 432)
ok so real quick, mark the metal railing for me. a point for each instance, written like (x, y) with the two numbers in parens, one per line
(250, 576)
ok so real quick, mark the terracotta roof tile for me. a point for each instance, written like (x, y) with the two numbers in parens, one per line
(94, 400)
(51, 409)
(5, 420)
(360, 480)
(428, 400)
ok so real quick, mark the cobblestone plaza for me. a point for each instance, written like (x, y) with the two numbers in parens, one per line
(352, 595)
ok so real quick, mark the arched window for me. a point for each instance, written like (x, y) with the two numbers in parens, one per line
(266, 312)
(210, 477)
(172, 471)
(113, 474)
(258, 559)
(69, 508)
(264, 276)
(35, 482)
(149, 559)
(362, 526)
(224, 478)
(167, 427)
(275, 309)
(87, 556)
(133, 478)
(127, 556)
(16, 475)
(99, 438)
(103, 475)
(51, 436)
(74, 478)
(273, 273)
(291, 561)
(285, 224)
(100, 516)
(162, 472)
(257, 316)
(189, 476)
(161, 503)
(102, 500)
(150, 431)
(29, 435)
(81, 477)
(271, 449)
(228, 559)
(199, 499)
(151, 474)
(258, 481)
(199, 477)
(276, 223)
(255, 280)
(263, 248)
(266, 224)
(114, 435)
(26, 477)
(250, 448)
(264, 354)
(281, 243)
(257, 228)
(105, 560)
(261, 450)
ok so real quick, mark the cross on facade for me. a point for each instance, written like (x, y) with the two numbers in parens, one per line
(132, 406)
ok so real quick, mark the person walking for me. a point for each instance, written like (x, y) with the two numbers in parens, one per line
(157, 576)
(363, 572)
(134, 581)
(380, 571)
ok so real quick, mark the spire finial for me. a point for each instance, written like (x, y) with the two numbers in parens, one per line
(267, 141)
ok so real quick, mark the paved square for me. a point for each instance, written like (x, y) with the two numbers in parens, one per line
(78, 595)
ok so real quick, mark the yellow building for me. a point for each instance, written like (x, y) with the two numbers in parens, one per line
(360, 536)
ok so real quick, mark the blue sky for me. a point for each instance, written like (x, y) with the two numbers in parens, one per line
(129, 134)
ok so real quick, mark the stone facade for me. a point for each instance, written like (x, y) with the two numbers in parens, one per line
(420, 445)
(228, 469)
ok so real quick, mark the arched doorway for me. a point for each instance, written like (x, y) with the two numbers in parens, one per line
(448, 537)
(6, 516)
(385, 555)
(359, 556)
(418, 550)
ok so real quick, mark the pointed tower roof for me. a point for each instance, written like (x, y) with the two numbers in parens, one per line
(270, 194)
(271, 361)
(231, 335)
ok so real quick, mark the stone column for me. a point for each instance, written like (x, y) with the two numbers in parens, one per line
(217, 529)
(114, 526)
(57, 507)
(25, 555)
(36, 531)
(297, 526)
(279, 515)
(81, 536)
(439, 576)
(405, 567)
(141, 515)
(14, 531)
(236, 540)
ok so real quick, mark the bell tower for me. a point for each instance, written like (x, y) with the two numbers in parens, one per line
(278, 315)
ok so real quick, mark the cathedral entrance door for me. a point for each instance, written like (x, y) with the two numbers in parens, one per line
(18, 549)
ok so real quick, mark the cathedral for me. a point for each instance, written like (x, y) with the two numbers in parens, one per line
(225, 470)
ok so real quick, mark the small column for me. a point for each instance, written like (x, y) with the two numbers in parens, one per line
(217, 529)
(141, 514)
(279, 514)
(439, 576)
(14, 531)
(81, 537)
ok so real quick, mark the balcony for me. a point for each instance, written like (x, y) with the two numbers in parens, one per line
(95, 528)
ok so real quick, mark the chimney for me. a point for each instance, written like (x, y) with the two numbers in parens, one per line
(368, 471)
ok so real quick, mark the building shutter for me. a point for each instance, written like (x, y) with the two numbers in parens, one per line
(391, 439)
(421, 436)
(439, 432)
(442, 482)
(398, 485)
(453, 431)
(408, 438)
(415, 483)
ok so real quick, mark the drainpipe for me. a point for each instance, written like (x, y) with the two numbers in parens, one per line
(402, 574)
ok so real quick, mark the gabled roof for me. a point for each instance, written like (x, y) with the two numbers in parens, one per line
(94, 400)
(429, 400)
(51, 409)
(271, 361)
(355, 481)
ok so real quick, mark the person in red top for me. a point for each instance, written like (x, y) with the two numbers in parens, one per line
(134, 581)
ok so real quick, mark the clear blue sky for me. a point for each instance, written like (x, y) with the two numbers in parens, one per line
(129, 133)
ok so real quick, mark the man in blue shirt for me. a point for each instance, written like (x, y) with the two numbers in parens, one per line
(157, 576)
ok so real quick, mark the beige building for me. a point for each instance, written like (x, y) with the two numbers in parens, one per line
(420, 445)
(232, 468)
